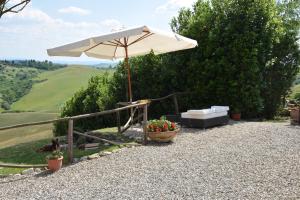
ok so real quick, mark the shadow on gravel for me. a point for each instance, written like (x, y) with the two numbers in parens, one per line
(184, 129)
(159, 144)
(297, 127)
(44, 174)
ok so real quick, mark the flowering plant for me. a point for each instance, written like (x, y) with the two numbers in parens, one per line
(161, 125)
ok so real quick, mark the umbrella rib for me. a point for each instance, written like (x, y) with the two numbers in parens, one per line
(100, 44)
(92, 47)
(141, 38)
(113, 43)
(120, 43)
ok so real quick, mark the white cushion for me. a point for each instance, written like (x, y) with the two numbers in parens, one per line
(214, 111)
(203, 111)
(203, 116)
(219, 108)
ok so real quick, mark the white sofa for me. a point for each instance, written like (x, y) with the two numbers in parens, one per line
(215, 115)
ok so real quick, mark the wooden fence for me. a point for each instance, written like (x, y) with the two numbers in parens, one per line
(133, 107)
(72, 120)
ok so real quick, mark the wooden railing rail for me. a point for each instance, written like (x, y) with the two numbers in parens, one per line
(169, 96)
(173, 96)
(72, 119)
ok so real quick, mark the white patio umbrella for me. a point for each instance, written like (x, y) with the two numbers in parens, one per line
(124, 44)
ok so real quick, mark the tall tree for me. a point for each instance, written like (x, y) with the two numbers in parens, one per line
(9, 6)
(282, 62)
(248, 53)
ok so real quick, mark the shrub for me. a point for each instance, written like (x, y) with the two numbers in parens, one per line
(5, 105)
(297, 96)
(94, 98)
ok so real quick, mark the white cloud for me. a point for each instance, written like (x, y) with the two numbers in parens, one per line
(113, 24)
(174, 4)
(74, 10)
(41, 18)
(13, 2)
(35, 31)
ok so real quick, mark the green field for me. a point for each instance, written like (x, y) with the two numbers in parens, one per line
(21, 135)
(59, 86)
(8, 119)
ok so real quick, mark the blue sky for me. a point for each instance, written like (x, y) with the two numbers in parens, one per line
(48, 23)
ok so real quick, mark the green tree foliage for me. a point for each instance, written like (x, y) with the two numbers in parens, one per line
(42, 65)
(282, 65)
(150, 79)
(247, 57)
(14, 83)
(248, 54)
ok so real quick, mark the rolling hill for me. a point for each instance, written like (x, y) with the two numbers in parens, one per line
(57, 87)
(18, 76)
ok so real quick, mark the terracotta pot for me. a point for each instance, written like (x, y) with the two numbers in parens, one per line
(295, 116)
(236, 116)
(55, 164)
(166, 136)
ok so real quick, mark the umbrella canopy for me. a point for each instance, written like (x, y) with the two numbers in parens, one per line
(124, 44)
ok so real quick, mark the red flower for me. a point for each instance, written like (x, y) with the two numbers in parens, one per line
(173, 125)
(166, 127)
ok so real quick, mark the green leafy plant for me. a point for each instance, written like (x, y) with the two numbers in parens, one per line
(161, 125)
(54, 155)
(236, 110)
(297, 97)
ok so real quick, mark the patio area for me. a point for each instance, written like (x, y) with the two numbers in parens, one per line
(245, 160)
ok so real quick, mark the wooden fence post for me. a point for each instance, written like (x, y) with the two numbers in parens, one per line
(145, 119)
(176, 104)
(138, 115)
(70, 140)
(118, 121)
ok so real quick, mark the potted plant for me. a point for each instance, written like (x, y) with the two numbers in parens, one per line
(161, 130)
(295, 115)
(236, 114)
(55, 160)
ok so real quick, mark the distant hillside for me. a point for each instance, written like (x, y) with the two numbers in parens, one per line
(15, 83)
(57, 87)
(41, 65)
(105, 65)
(17, 78)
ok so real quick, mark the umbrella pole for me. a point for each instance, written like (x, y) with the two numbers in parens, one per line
(129, 83)
(128, 74)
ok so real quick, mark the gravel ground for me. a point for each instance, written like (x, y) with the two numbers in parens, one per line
(247, 160)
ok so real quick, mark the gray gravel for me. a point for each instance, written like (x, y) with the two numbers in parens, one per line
(247, 160)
